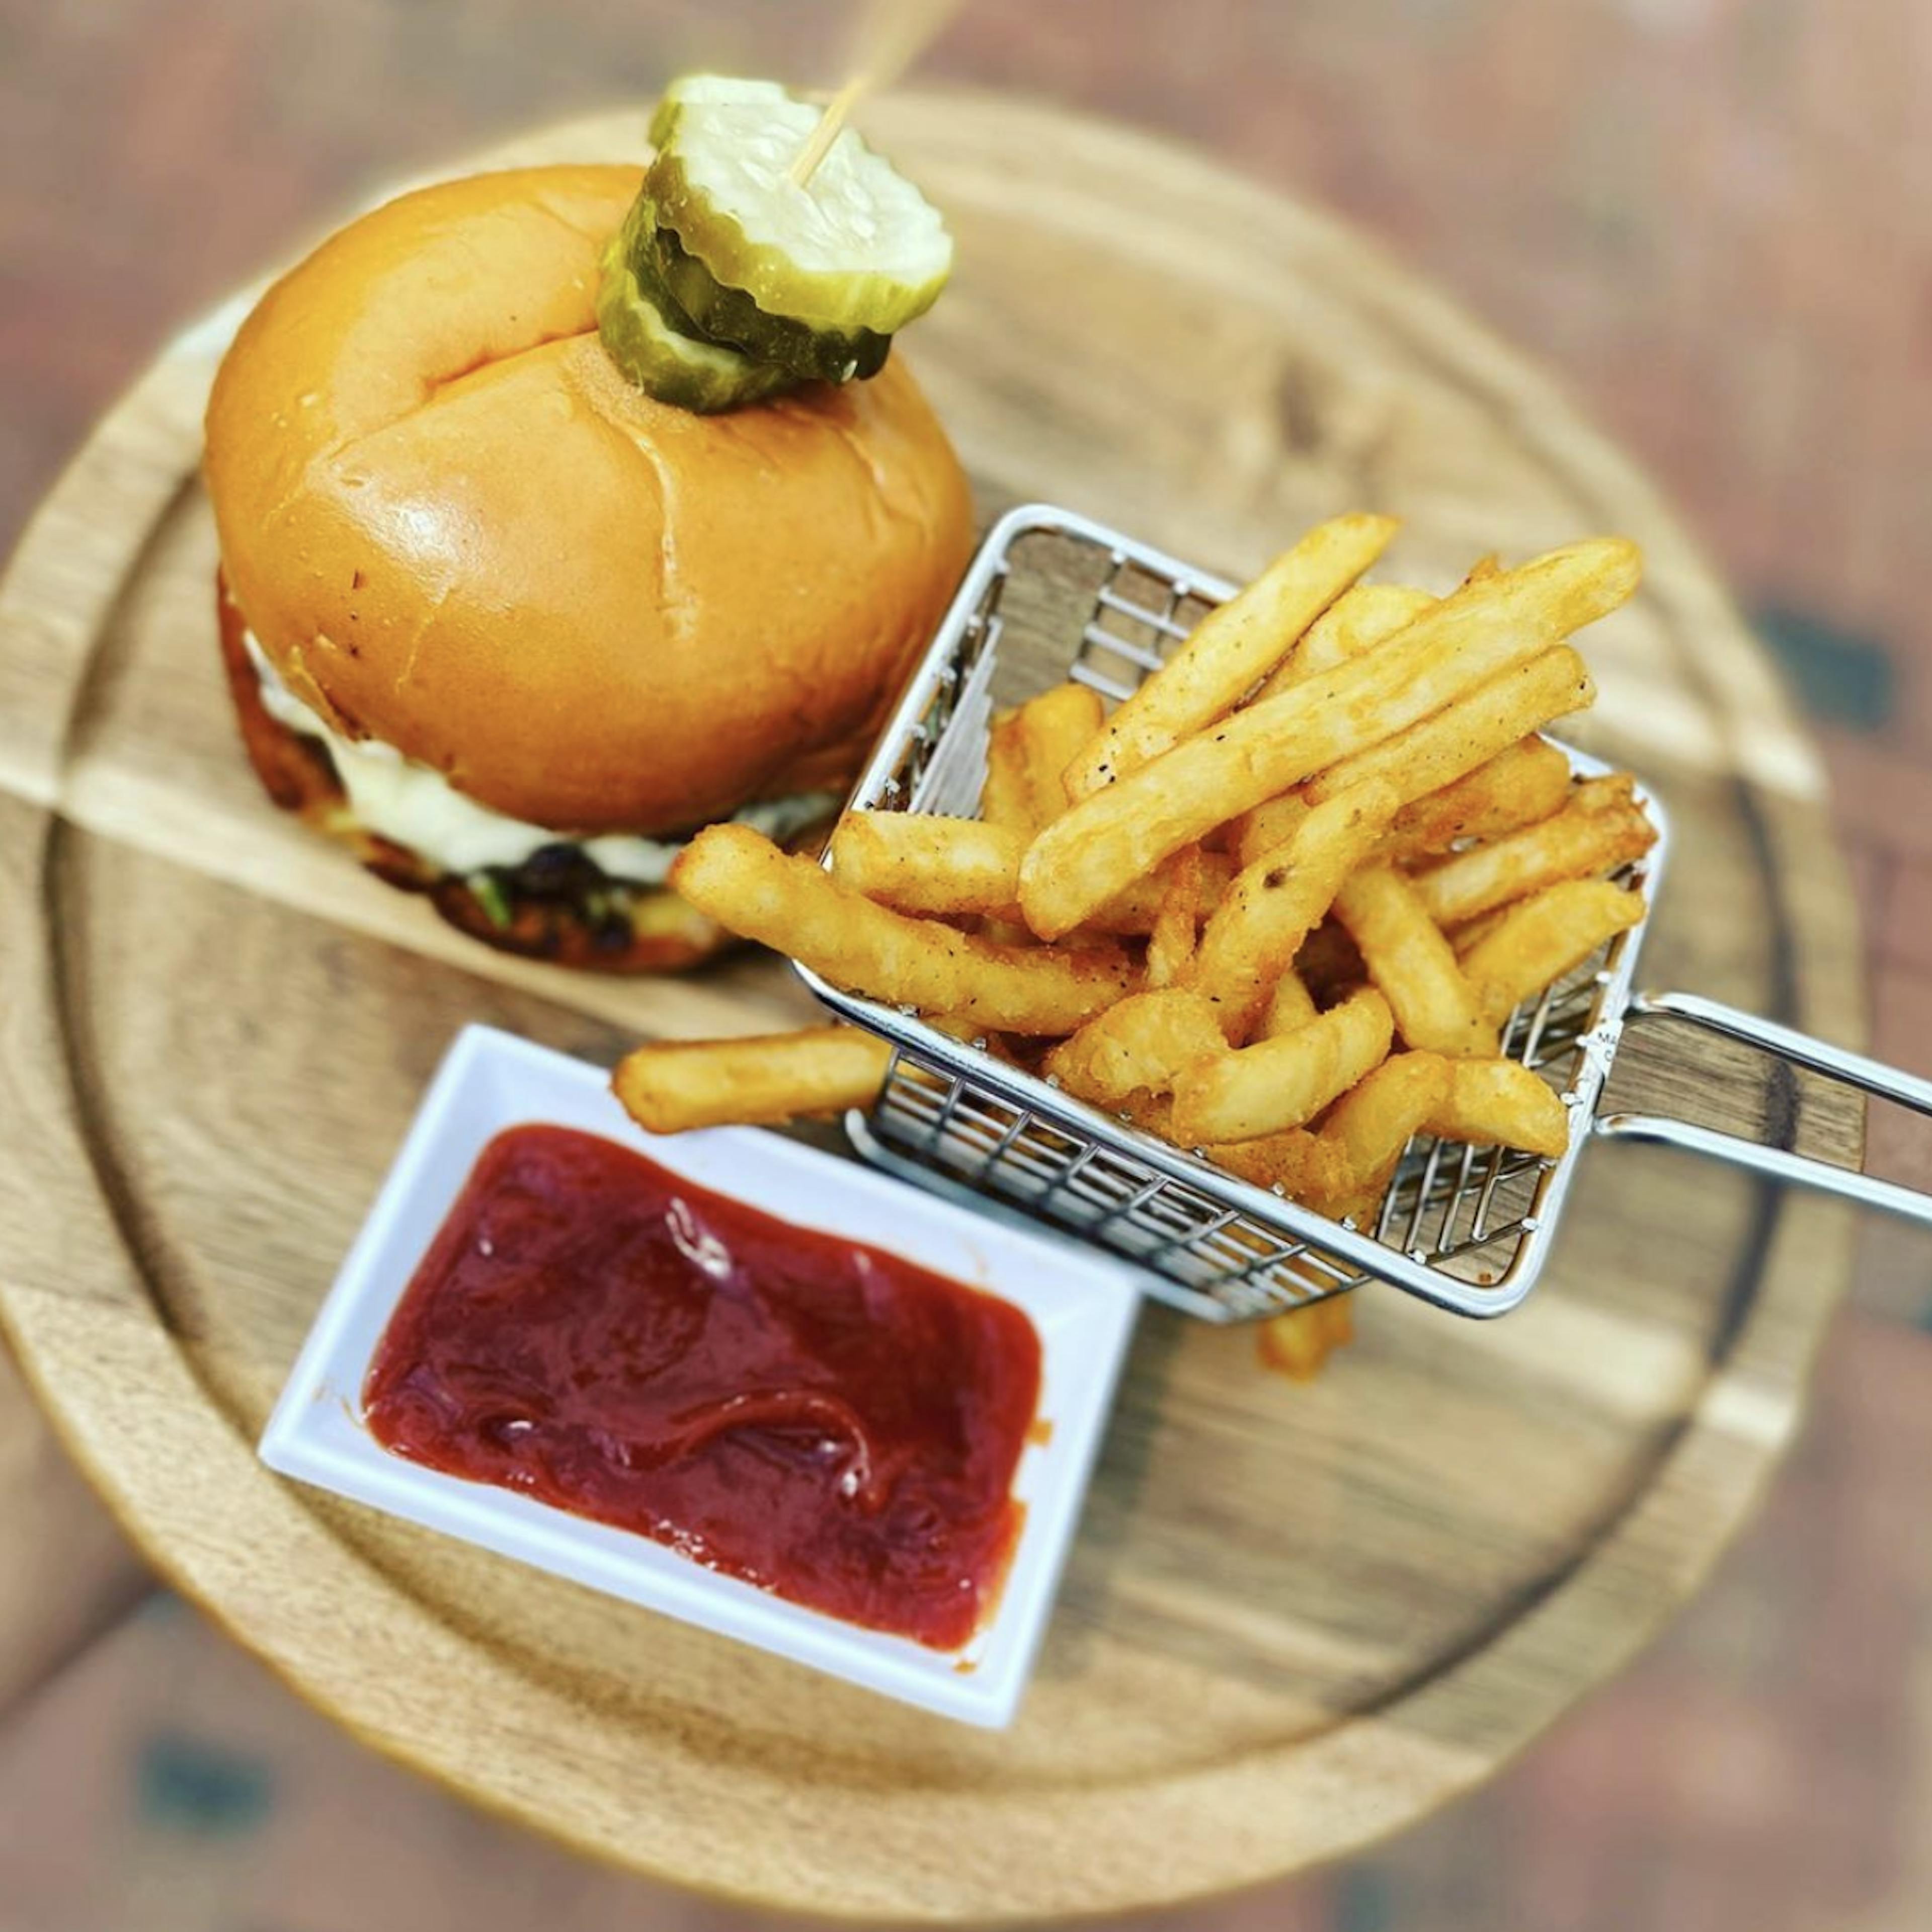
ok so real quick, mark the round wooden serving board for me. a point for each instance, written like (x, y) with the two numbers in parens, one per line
(1296, 1618)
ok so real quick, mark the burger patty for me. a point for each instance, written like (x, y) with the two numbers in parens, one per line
(558, 904)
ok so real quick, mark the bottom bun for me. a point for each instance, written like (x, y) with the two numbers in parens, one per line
(568, 913)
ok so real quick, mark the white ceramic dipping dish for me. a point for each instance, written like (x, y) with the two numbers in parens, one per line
(1082, 1305)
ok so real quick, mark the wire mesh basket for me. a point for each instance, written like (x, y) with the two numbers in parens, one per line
(1052, 595)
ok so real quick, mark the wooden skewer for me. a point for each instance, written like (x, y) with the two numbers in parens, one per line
(896, 32)
(831, 125)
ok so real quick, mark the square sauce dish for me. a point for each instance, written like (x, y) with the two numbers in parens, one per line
(1080, 1306)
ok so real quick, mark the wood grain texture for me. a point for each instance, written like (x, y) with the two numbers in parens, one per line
(1295, 1618)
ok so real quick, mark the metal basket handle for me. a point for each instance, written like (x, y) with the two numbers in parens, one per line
(1851, 1070)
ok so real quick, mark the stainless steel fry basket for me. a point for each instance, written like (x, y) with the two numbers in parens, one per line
(1051, 594)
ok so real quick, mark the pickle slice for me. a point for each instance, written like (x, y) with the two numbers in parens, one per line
(692, 295)
(858, 250)
(664, 362)
(704, 88)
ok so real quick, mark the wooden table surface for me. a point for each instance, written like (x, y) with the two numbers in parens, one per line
(223, 1028)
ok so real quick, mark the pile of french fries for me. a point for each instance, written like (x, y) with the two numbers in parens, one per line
(1274, 908)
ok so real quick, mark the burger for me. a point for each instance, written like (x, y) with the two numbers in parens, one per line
(566, 510)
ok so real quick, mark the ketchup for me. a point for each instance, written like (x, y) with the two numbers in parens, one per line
(826, 1421)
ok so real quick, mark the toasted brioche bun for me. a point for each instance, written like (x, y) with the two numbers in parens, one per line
(454, 526)
(658, 931)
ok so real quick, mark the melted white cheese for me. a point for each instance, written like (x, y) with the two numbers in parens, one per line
(415, 807)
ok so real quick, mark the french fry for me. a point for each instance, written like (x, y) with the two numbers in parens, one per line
(1135, 910)
(1601, 828)
(1267, 826)
(1524, 783)
(1241, 1095)
(1483, 568)
(669, 1087)
(1028, 750)
(1003, 798)
(952, 868)
(1085, 857)
(787, 902)
(1368, 1127)
(1436, 1009)
(1290, 1005)
(1362, 617)
(1275, 903)
(1177, 927)
(1463, 937)
(1361, 1205)
(1139, 1045)
(916, 862)
(1544, 938)
(1501, 1103)
(1231, 649)
(1469, 732)
(1294, 1163)
(1297, 1344)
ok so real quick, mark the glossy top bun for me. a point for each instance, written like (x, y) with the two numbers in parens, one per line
(454, 526)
